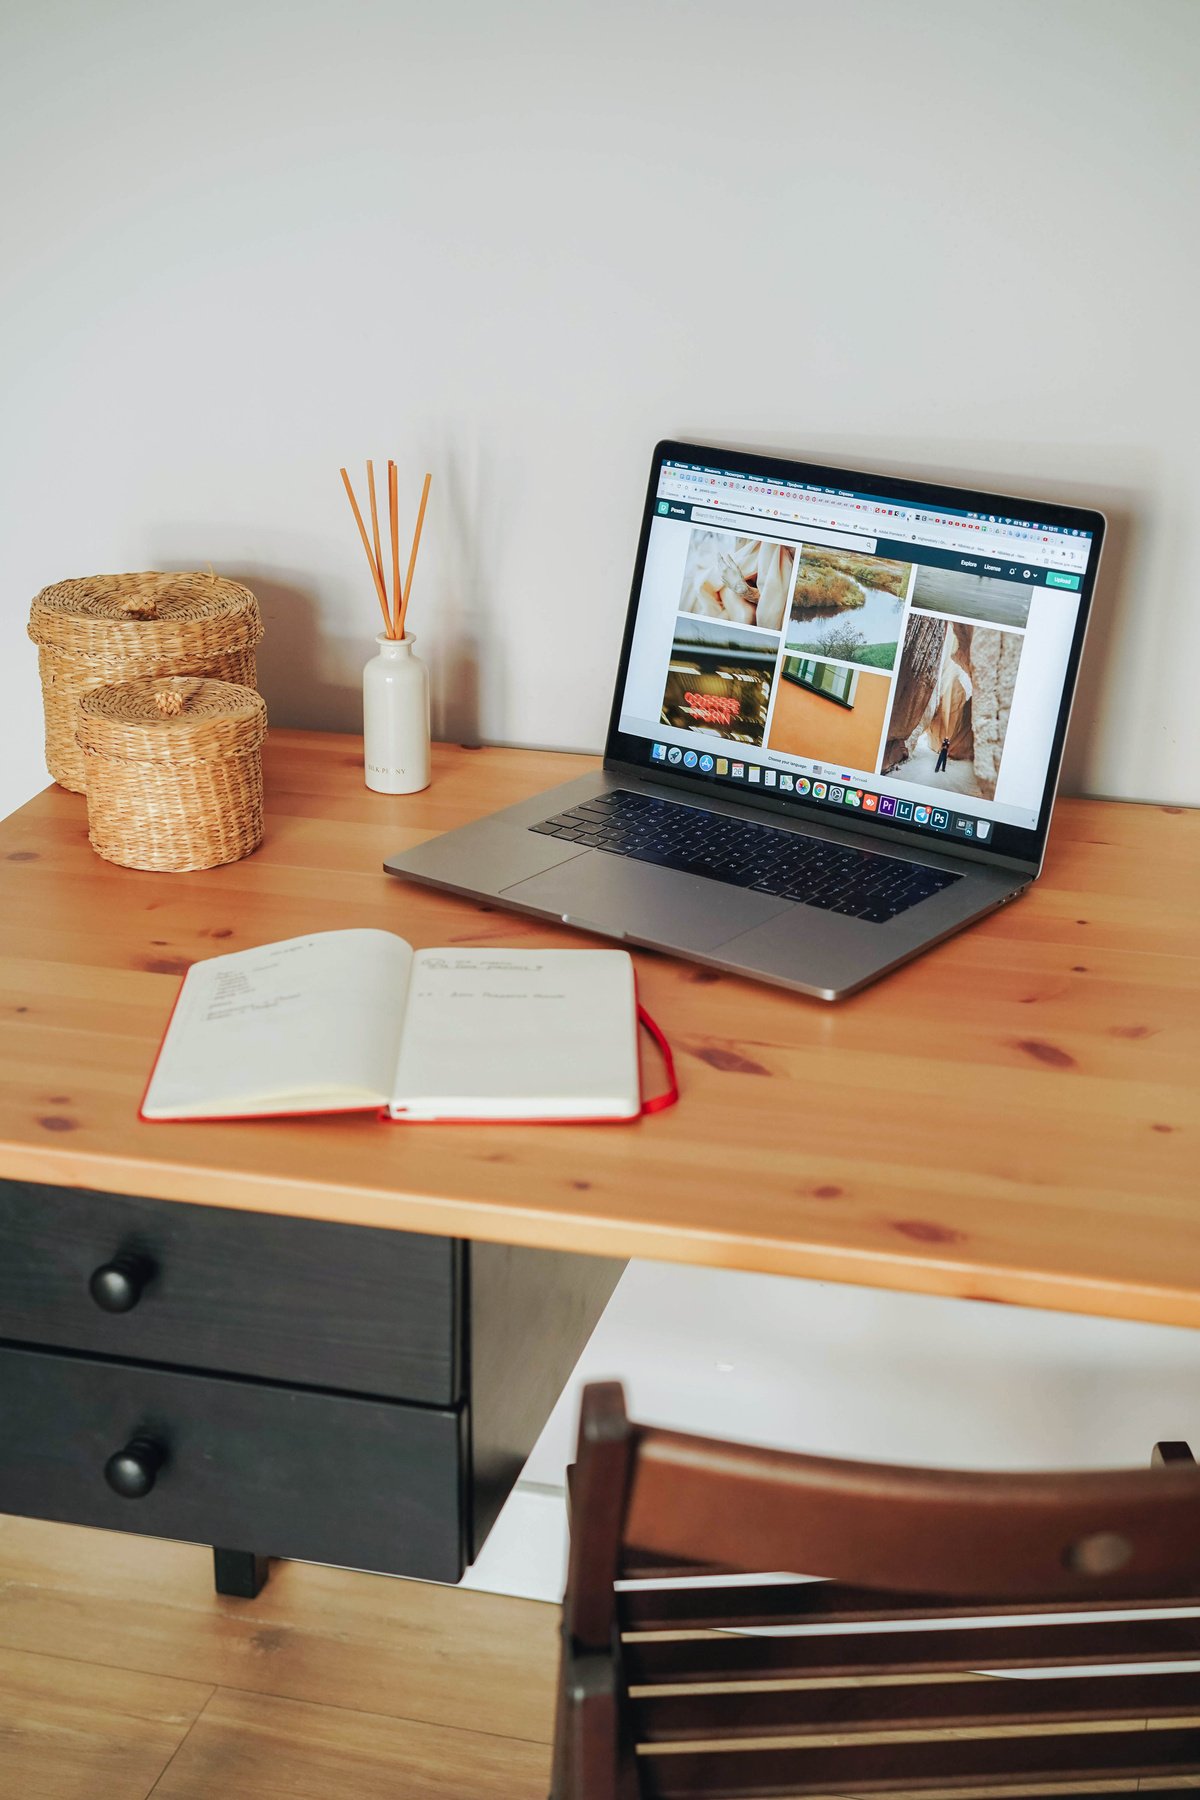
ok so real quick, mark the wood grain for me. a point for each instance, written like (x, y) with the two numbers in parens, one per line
(262, 1749)
(1012, 1117)
(370, 1312)
(288, 1471)
(331, 1683)
(446, 1656)
(70, 1731)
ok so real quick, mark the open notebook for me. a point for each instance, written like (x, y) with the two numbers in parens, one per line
(345, 1021)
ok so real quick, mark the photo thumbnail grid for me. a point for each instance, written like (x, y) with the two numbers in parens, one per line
(888, 667)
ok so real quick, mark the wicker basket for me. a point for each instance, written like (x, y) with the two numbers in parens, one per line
(174, 772)
(120, 627)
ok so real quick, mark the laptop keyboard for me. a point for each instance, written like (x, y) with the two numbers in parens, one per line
(863, 884)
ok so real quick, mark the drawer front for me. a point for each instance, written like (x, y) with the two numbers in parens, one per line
(283, 1472)
(294, 1300)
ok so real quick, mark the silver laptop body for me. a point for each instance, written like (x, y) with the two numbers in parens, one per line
(836, 731)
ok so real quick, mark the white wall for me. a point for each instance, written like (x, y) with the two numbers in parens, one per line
(243, 242)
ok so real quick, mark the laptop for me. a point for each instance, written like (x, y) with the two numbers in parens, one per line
(836, 728)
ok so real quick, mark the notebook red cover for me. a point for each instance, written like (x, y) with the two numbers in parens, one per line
(655, 1103)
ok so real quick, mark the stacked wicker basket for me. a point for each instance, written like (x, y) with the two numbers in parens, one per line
(174, 772)
(119, 627)
(148, 685)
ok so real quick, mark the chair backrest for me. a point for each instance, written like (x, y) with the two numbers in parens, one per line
(889, 1546)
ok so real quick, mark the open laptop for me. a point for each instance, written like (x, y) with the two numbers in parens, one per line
(838, 720)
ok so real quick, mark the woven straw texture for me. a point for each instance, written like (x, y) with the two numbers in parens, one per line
(106, 628)
(174, 772)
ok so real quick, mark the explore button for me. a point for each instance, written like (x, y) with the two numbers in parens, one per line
(1055, 578)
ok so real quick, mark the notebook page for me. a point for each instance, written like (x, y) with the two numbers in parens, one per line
(515, 1034)
(311, 1023)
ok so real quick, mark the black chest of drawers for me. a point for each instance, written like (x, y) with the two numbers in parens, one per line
(277, 1386)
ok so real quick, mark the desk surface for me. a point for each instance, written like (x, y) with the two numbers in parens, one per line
(1013, 1117)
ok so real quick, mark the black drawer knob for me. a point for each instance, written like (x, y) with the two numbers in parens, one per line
(116, 1286)
(133, 1471)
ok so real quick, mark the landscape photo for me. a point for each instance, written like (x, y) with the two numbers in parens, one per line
(741, 580)
(848, 606)
(719, 680)
(954, 688)
(967, 596)
(829, 713)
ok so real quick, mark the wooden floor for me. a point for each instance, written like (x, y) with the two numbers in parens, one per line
(122, 1675)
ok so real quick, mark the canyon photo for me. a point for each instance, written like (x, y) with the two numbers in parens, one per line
(954, 688)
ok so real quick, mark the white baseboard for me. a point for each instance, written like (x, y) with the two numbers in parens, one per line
(526, 1552)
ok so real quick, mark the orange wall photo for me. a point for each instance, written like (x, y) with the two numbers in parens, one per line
(808, 724)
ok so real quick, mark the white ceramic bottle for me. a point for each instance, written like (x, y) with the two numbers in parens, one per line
(396, 718)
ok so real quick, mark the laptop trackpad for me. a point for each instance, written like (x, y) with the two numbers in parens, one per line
(618, 894)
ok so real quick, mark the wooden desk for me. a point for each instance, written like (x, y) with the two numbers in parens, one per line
(1013, 1117)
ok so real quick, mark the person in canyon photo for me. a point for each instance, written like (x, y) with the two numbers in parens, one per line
(950, 709)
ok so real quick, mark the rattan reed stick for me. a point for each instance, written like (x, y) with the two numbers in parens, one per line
(375, 525)
(376, 572)
(394, 523)
(412, 561)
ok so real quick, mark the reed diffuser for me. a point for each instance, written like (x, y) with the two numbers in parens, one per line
(395, 681)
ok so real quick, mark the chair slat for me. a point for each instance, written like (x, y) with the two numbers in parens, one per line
(925, 1706)
(723, 1657)
(953, 1762)
(743, 1607)
(865, 1683)
(636, 1567)
(1061, 1535)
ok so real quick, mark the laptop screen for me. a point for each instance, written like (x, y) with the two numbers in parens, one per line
(896, 652)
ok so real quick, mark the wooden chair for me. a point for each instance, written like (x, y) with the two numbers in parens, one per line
(659, 1698)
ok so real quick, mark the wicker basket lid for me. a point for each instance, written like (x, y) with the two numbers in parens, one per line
(176, 719)
(96, 614)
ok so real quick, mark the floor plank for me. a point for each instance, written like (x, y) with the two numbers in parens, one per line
(400, 1648)
(123, 1675)
(74, 1731)
(261, 1748)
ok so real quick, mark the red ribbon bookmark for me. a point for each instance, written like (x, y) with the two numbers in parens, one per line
(670, 1094)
